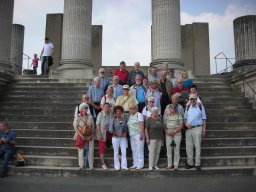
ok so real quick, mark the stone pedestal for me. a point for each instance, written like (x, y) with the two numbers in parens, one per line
(17, 43)
(195, 48)
(54, 28)
(96, 47)
(76, 42)
(166, 34)
(6, 16)
(245, 40)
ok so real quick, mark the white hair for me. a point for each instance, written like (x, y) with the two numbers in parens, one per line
(82, 106)
(154, 109)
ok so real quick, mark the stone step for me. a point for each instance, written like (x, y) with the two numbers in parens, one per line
(70, 132)
(162, 163)
(45, 104)
(58, 171)
(221, 94)
(70, 118)
(68, 125)
(72, 151)
(207, 142)
(49, 85)
(47, 80)
(29, 111)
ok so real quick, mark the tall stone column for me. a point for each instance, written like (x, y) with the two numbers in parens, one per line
(245, 40)
(166, 34)
(76, 42)
(17, 44)
(6, 16)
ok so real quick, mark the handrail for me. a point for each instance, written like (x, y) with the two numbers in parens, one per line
(12, 62)
(227, 62)
(28, 58)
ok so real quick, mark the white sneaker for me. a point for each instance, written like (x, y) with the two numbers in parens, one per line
(91, 168)
(104, 167)
(150, 168)
(157, 168)
(125, 169)
(139, 167)
(133, 167)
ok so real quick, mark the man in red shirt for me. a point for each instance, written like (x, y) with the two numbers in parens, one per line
(122, 73)
(179, 87)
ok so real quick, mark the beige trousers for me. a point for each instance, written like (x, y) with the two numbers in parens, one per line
(90, 155)
(177, 140)
(154, 149)
(193, 138)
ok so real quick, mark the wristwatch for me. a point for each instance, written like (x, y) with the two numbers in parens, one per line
(204, 130)
(175, 131)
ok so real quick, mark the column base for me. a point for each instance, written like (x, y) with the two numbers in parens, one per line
(246, 62)
(73, 71)
(176, 64)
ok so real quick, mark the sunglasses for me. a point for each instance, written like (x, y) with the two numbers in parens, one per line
(125, 89)
(151, 101)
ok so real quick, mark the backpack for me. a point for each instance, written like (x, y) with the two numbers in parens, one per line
(199, 104)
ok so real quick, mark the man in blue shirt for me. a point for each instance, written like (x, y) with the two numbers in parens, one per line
(7, 142)
(195, 121)
(139, 92)
(95, 94)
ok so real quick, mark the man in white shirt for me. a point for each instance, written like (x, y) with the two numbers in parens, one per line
(46, 55)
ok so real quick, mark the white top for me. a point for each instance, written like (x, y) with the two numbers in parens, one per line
(111, 101)
(48, 49)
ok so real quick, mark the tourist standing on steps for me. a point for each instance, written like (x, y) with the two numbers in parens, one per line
(195, 121)
(194, 90)
(154, 92)
(85, 100)
(7, 143)
(153, 76)
(46, 56)
(103, 134)
(117, 87)
(122, 73)
(172, 78)
(104, 82)
(186, 81)
(132, 74)
(154, 135)
(125, 100)
(84, 130)
(95, 94)
(137, 139)
(35, 64)
(119, 129)
(165, 87)
(139, 92)
(146, 112)
(173, 124)
(109, 98)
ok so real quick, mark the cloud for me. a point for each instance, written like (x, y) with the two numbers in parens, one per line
(221, 29)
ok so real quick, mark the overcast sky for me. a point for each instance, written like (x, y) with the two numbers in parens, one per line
(126, 25)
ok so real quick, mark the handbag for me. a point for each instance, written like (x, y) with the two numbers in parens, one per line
(79, 142)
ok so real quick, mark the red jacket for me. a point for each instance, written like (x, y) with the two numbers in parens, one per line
(123, 75)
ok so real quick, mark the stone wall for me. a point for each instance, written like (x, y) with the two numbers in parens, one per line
(195, 48)
(245, 80)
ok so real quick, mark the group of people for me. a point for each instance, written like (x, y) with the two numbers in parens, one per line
(136, 110)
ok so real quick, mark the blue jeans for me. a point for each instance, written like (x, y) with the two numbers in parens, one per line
(7, 155)
(44, 66)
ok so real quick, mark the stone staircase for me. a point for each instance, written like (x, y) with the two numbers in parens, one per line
(41, 112)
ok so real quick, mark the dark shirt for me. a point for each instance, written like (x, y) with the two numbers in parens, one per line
(132, 75)
(155, 128)
(11, 136)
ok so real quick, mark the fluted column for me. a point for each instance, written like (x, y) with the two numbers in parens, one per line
(17, 44)
(166, 33)
(245, 40)
(6, 16)
(76, 42)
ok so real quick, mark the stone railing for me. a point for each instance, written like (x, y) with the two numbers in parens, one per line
(5, 79)
(246, 81)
